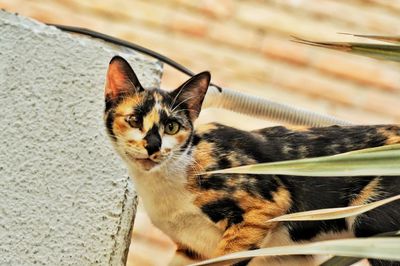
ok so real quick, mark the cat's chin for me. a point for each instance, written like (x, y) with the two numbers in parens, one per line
(141, 163)
(146, 164)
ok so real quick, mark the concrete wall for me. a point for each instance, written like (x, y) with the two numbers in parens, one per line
(65, 198)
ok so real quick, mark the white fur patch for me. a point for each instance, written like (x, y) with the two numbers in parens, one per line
(157, 106)
(168, 142)
(134, 134)
(170, 205)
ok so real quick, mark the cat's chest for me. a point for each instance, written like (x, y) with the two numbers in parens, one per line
(170, 208)
(163, 200)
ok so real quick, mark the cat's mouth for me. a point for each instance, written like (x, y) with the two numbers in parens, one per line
(146, 163)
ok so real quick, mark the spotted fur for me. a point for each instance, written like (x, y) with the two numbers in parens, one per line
(214, 214)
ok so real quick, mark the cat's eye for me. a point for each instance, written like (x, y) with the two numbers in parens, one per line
(133, 121)
(172, 127)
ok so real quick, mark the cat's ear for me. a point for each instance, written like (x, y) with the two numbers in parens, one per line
(190, 95)
(121, 79)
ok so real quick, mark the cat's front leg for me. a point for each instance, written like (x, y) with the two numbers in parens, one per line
(184, 256)
(243, 236)
(249, 232)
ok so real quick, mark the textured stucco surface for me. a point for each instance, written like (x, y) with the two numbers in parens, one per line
(65, 197)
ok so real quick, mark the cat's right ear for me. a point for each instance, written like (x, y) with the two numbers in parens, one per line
(121, 79)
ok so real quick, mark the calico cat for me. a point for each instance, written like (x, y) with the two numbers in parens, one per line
(214, 214)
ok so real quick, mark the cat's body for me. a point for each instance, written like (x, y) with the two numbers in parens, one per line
(214, 214)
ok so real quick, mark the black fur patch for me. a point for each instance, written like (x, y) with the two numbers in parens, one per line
(261, 185)
(163, 117)
(307, 230)
(216, 182)
(196, 139)
(191, 254)
(108, 105)
(111, 103)
(187, 142)
(318, 193)
(153, 139)
(242, 263)
(224, 163)
(109, 124)
(225, 138)
(145, 107)
(385, 218)
(224, 209)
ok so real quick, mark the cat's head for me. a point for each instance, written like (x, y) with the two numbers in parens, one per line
(149, 126)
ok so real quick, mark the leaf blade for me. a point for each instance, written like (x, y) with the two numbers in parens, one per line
(390, 39)
(333, 213)
(377, 248)
(377, 51)
(373, 161)
(347, 261)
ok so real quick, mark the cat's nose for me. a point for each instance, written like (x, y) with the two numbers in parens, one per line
(153, 144)
(153, 148)
(153, 140)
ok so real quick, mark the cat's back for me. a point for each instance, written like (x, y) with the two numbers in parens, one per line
(218, 146)
(304, 142)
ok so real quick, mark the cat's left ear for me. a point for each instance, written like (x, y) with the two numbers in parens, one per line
(190, 95)
(121, 79)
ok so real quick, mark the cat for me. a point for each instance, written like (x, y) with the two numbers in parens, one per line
(209, 215)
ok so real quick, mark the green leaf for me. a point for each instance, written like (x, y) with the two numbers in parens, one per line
(347, 261)
(333, 213)
(374, 247)
(379, 51)
(383, 160)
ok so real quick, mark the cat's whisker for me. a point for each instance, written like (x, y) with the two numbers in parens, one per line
(183, 101)
(176, 96)
(180, 110)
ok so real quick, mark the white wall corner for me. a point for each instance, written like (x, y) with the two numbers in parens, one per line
(65, 196)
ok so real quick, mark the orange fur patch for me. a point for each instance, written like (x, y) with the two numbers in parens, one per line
(207, 196)
(367, 193)
(152, 118)
(120, 126)
(126, 106)
(205, 128)
(391, 134)
(254, 227)
(181, 136)
(222, 224)
(203, 155)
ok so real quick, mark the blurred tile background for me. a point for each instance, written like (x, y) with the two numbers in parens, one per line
(246, 46)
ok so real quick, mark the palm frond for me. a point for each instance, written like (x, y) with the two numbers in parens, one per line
(378, 51)
(347, 261)
(389, 39)
(383, 160)
(375, 247)
(333, 213)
